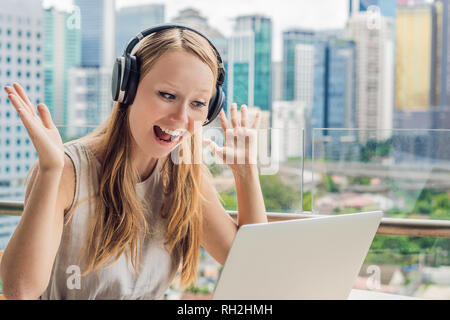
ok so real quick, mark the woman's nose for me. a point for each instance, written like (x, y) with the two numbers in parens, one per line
(180, 113)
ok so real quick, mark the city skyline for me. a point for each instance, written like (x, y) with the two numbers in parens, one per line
(333, 13)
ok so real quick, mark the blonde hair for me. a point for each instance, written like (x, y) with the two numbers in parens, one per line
(119, 224)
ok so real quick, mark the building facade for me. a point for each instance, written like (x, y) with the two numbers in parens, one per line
(133, 19)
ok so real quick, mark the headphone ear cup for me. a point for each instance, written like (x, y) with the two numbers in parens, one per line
(132, 80)
(116, 76)
(215, 104)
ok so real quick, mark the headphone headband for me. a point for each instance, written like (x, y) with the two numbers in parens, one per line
(133, 42)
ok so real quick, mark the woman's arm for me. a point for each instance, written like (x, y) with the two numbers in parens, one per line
(250, 200)
(219, 228)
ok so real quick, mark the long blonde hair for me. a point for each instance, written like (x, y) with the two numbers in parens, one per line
(119, 224)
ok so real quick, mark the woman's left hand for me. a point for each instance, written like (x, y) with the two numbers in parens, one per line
(240, 145)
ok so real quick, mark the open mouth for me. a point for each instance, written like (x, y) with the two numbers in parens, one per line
(164, 136)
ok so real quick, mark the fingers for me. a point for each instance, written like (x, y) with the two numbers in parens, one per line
(223, 120)
(215, 149)
(22, 94)
(244, 115)
(24, 113)
(20, 101)
(233, 114)
(257, 121)
(45, 115)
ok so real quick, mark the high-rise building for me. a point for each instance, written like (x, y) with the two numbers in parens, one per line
(415, 57)
(133, 19)
(97, 32)
(374, 74)
(288, 122)
(192, 18)
(254, 35)
(62, 49)
(277, 84)
(384, 7)
(334, 83)
(291, 38)
(21, 60)
(304, 74)
(89, 99)
(341, 84)
(442, 65)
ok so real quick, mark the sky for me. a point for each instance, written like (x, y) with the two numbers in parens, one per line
(311, 14)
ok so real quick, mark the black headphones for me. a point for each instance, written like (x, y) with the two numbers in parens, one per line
(125, 76)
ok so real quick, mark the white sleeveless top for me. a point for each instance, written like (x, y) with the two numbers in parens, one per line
(120, 280)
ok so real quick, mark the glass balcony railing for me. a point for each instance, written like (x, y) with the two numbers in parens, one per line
(404, 173)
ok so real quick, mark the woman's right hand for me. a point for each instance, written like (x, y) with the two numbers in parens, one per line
(41, 129)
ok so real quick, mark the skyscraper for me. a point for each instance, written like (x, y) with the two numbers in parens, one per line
(192, 18)
(90, 85)
(62, 52)
(258, 30)
(97, 32)
(21, 60)
(415, 57)
(386, 7)
(133, 19)
(374, 73)
(291, 38)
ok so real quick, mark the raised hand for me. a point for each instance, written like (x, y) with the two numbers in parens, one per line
(41, 129)
(239, 150)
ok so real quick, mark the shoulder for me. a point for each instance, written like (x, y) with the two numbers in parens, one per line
(67, 182)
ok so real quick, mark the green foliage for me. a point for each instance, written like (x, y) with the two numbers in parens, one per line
(278, 196)
(375, 148)
(329, 184)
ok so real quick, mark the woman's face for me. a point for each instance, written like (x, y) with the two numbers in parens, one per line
(174, 95)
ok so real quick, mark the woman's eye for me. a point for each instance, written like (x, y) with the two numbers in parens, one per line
(199, 104)
(166, 95)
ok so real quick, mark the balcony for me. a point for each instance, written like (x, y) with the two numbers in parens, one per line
(404, 173)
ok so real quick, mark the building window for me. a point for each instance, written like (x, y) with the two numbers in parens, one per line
(8, 46)
(18, 155)
(8, 128)
(7, 169)
(28, 48)
(19, 74)
(18, 141)
(18, 169)
(18, 128)
(8, 114)
(8, 32)
(28, 60)
(38, 48)
(19, 47)
(19, 33)
(38, 62)
(28, 34)
(19, 60)
(38, 88)
(38, 75)
(8, 142)
(7, 155)
(38, 35)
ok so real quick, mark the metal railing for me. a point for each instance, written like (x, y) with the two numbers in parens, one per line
(388, 226)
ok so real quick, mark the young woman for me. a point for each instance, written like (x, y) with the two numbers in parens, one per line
(111, 215)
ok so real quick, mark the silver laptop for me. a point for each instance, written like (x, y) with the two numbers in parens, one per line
(313, 258)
